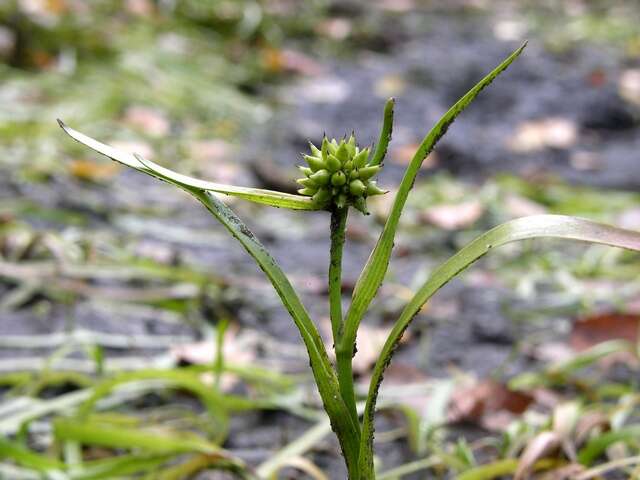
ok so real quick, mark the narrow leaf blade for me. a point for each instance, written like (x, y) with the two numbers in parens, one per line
(376, 267)
(537, 226)
(257, 195)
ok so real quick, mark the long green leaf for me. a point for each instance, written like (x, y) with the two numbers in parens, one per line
(341, 422)
(257, 195)
(594, 448)
(346, 428)
(151, 440)
(376, 267)
(216, 404)
(554, 226)
(27, 458)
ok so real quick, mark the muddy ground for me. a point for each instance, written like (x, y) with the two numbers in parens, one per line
(426, 59)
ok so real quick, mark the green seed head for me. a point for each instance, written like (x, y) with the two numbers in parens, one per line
(315, 163)
(338, 175)
(357, 188)
(321, 177)
(333, 164)
(338, 179)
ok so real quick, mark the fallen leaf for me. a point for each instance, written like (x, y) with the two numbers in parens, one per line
(566, 472)
(287, 60)
(599, 328)
(454, 216)
(488, 403)
(539, 447)
(587, 423)
(93, 171)
(535, 135)
(150, 120)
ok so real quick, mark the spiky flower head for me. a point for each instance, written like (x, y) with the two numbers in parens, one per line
(339, 174)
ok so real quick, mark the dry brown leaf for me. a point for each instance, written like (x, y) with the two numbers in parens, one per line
(539, 447)
(589, 422)
(93, 171)
(488, 403)
(599, 328)
(287, 60)
(566, 472)
(535, 135)
(454, 216)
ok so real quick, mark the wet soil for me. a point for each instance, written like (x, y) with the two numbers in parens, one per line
(427, 60)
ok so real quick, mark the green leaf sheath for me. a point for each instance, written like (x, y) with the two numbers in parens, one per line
(341, 421)
(385, 133)
(553, 226)
(256, 195)
(376, 267)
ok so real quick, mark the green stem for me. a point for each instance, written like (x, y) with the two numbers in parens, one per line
(343, 360)
(338, 224)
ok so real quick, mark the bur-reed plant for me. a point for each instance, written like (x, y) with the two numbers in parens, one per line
(339, 175)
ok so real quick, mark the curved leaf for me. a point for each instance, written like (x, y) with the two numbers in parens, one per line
(554, 226)
(257, 195)
(376, 267)
(342, 422)
(385, 133)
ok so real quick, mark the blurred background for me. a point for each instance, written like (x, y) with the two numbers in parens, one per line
(104, 270)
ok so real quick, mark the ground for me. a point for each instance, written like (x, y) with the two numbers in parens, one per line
(103, 269)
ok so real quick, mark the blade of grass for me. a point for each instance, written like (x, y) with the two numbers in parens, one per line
(257, 195)
(27, 458)
(594, 447)
(109, 468)
(554, 226)
(376, 267)
(197, 463)
(103, 434)
(216, 404)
